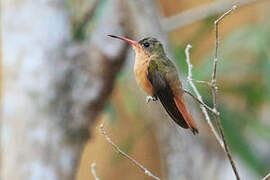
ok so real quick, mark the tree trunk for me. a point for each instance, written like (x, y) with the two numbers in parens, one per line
(54, 87)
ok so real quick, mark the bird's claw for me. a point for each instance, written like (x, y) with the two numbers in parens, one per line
(150, 98)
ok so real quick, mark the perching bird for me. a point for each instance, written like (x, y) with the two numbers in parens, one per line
(157, 75)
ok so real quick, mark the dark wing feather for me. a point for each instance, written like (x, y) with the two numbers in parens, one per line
(163, 91)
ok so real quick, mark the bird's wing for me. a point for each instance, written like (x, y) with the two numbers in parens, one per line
(167, 87)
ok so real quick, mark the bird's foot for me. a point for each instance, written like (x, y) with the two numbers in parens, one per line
(150, 98)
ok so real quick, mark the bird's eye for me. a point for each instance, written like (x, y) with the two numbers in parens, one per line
(146, 44)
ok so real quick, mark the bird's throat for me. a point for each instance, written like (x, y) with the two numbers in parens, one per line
(141, 71)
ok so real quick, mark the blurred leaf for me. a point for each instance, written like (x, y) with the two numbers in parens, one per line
(209, 21)
(125, 145)
(265, 63)
(132, 104)
(253, 91)
(111, 112)
(260, 129)
(231, 122)
(180, 56)
(82, 24)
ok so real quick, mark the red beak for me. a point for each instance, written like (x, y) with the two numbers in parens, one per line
(132, 42)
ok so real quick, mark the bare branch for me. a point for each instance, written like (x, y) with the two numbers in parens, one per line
(214, 75)
(199, 101)
(214, 88)
(204, 111)
(146, 171)
(93, 171)
(227, 151)
(266, 177)
(201, 82)
(190, 16)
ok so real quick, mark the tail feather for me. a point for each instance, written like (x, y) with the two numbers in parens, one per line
(173, 103)
(166, 98)
(179, 101)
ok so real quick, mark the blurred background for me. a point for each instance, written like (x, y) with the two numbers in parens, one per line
(62, 77)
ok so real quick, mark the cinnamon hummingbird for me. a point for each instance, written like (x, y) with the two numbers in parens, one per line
(158, 77)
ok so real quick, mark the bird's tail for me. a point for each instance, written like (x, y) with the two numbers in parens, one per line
(180, 103)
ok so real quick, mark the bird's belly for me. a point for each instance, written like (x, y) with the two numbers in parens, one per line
(141, 72)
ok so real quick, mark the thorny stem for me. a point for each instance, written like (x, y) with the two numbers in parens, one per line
(214, 94)
(146, 171)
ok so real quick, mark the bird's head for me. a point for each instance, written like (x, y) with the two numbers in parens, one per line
(148, 46)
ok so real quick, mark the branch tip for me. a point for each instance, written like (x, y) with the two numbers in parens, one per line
(234, 7)
(93, 171)
(117, 148)
(222, 140)
(266, 177)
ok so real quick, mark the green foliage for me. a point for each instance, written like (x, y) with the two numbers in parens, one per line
(232, 123)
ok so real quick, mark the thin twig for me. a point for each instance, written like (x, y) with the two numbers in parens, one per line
(214, 75)
(201, 82)
(206, 115)
(146, 171)
(198, 13)
(227, 151)
(199, 101)
(93, 171)
(266, 177)
(214, 88)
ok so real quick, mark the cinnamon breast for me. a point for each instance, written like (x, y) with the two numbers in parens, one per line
(141, 72)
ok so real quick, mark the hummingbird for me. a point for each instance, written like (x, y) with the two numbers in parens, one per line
(158, 77)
